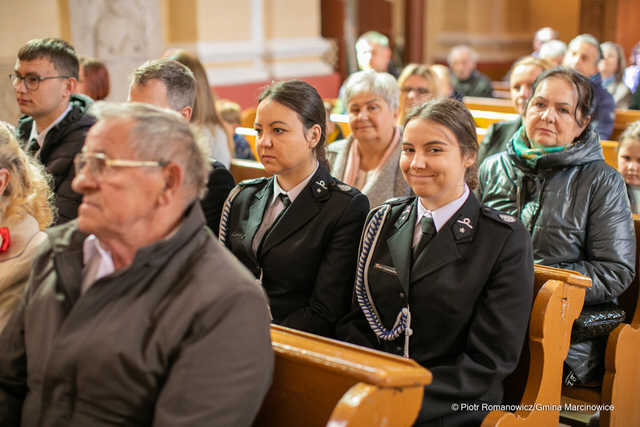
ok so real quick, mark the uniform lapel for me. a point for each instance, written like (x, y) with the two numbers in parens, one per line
(306, 206)
(443, 249)
(256, 213)
(400, 243)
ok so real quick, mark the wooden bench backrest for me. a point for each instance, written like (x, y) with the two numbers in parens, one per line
(318, 381)
(484, 118)
(246, 169)
(623, 119)
(559, 297)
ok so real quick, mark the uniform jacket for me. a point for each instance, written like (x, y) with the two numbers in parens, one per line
(307, 261)
(477, 84)
(497, 137)
(219, 185)
(60, 146)
(178, 338)
(469, 293)
(388, 183)
(603, 113)
(577, 211)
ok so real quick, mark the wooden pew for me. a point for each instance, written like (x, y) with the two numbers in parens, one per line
(610, 151)
(623, 119)
(484, 118)
(489, 104)
(341, 120)
(621, 382)
(248, 117)
(246, 169)
(537, 382)
(323, 382)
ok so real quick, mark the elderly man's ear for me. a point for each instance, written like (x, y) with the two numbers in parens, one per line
(173, 179)
(186, 113)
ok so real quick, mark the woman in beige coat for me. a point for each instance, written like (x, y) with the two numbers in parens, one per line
(25, 211)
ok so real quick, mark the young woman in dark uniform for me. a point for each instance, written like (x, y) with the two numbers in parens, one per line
(441, 278)
(297, 231)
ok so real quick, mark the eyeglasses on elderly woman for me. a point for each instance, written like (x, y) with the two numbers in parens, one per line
(97, 163)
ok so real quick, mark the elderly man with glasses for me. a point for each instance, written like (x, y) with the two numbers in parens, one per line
(55, 120)
(134, 314)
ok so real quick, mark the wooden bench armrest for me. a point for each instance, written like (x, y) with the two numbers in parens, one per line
(557, 304)
(362, 364)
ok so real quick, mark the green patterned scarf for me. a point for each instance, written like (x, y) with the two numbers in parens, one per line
(530, 155)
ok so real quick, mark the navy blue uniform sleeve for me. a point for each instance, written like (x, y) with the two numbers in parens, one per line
(220, 184)
(335, 277)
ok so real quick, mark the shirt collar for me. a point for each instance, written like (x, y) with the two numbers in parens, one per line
(442, 214)
(295, 191)
(42, 135)
(91, 248)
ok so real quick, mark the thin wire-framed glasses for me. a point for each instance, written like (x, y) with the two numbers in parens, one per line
(418, 90)
(31, 81)
(97, 163)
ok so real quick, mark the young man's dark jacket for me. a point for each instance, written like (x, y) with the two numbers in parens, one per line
(61, 144)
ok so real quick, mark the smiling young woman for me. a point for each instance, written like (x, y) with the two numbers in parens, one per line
(297, 231)
(554, 178)
(441, 278)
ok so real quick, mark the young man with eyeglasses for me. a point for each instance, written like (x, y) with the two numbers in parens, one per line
(55, 123)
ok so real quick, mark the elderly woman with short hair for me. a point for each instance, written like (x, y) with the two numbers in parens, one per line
(554, 178)
(368, 159)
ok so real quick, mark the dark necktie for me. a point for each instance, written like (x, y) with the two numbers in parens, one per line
(428, 231)
(33, 146)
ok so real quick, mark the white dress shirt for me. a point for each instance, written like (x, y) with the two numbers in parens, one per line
(440, 216)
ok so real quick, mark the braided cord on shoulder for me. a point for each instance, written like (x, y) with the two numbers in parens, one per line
(226, 211)
(363, 293)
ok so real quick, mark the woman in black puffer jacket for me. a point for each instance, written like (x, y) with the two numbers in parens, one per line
(554, 178)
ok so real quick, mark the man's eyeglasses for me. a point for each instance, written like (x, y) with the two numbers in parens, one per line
(418, 90)
(31, 81)
(97, 163)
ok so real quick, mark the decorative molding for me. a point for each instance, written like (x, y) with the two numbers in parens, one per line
(223, 52)
(223, 76)
(287, 70)
(484, 40)
(298, 47)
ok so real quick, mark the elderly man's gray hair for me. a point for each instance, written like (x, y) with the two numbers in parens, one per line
(463, 48)
(159, 134)
(589, 39)
(374, 37)
(177, 78)
(383, 85)
(553, 49)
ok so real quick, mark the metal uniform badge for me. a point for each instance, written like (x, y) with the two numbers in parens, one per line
(507, 218)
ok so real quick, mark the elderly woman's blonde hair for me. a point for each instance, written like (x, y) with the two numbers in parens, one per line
(28, 191)
(423, 71)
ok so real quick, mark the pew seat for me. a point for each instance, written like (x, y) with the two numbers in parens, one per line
(484, 118)
(536, 384)
(322, 382)
(621, 382)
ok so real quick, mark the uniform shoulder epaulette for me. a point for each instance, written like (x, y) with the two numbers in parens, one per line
(253, 181)
(398, 200)
(341, 186)
(500, 217)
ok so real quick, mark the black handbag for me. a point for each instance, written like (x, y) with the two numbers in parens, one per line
(596, 321)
